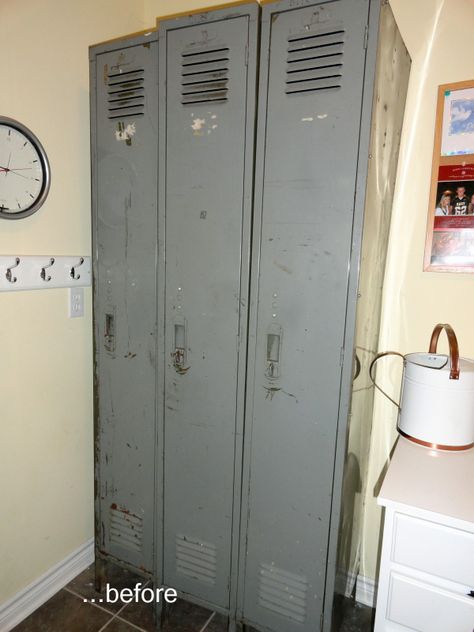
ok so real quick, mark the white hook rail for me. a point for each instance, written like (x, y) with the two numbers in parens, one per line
(43, 272)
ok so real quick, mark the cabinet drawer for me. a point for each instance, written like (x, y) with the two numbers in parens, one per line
(435, 549)
(426, 608)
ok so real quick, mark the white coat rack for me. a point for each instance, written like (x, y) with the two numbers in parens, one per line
(40, 272)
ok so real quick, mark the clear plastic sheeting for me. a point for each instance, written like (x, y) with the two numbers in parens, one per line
(393, 69)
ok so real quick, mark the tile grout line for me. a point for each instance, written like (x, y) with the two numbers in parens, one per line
(207, 622)
(88, 601)
(114, 615)
(132, 625)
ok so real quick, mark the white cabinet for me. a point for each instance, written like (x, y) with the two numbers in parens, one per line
(427, 563)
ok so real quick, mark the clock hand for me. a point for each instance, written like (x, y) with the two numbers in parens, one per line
(15, 168)
(18, 174)
(6, 171)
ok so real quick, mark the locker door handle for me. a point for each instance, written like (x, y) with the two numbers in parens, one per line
(179, 353)
(273, 353)
(109, 334)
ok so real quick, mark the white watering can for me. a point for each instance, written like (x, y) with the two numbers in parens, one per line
(437, 395)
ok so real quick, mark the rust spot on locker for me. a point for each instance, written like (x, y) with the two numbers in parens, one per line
(122, 509)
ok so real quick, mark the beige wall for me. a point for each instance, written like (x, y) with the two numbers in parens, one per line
(46, 473)
(160, 8)
(438, 35)
(46, 451)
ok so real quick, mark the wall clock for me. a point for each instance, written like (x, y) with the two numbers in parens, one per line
(24, 171)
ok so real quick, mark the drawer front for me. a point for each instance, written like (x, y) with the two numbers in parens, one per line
(435, 549)
(426, 608)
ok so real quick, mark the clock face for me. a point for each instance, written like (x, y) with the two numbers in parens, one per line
(24, 171)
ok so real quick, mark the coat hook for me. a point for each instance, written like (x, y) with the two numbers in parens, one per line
(72, 273)
(44, 268)
(8, 273)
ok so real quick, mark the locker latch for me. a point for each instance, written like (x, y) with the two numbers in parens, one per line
(273, 352)
(179, 353)
(109, 333)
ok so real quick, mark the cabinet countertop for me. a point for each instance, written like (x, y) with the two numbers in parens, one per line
(432, 480)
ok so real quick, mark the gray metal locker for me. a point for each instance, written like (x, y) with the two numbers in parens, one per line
(315, 98)
(124, 143)
(207, 104)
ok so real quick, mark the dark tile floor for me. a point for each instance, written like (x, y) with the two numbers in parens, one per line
(68, 611)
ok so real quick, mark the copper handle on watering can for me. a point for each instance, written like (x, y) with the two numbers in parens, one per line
(453, 347)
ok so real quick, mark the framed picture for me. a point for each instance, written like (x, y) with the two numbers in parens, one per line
(450, 233)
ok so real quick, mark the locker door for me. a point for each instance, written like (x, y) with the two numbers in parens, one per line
(208, 124)
(124, 154)
(310, 99)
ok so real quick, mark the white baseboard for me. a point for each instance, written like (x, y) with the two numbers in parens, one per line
(366, 591)
(18, 607)
(365, 587)
(345, 582)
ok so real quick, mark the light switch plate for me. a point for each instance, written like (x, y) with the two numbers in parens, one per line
(76, 302)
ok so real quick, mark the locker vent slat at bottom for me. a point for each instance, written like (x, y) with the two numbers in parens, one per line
(126, 528)
(195, 559)
(282, 592)
(314, 62)
(204, 76)
(126, 94)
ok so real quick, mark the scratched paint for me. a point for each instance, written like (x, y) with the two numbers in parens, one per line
(125, 133)
(198, 124)
(202, 126)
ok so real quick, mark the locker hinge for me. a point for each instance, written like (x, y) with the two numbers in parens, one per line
(366, 36)
(246, 55)
(341, 357)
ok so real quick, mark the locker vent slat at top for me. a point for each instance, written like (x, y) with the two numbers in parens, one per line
(126, 94)
(204, 76)
(314, 62)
